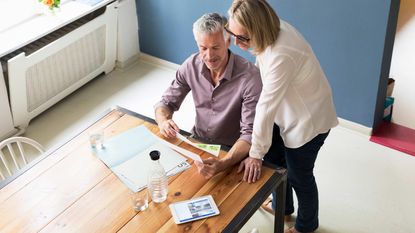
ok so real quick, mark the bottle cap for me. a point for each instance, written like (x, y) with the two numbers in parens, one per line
(155, 155)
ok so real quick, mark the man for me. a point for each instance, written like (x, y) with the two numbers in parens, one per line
(225, 89)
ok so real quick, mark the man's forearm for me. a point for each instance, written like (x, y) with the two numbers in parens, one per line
(236, 154)
(163, 113)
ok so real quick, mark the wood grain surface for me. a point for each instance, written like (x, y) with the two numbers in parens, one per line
(71, 190)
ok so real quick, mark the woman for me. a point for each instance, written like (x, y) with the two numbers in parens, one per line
(295, 111)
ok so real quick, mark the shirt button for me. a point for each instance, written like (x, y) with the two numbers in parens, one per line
(208, 129)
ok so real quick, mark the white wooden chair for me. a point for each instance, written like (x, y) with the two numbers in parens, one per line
(14, 147)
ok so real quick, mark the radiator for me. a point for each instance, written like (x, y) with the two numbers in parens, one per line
(44, 72)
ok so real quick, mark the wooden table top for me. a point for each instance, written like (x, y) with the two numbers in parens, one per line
(71, 190)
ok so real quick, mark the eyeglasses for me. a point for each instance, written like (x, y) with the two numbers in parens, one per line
(242, 39)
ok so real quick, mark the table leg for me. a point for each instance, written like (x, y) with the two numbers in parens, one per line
(280, 210)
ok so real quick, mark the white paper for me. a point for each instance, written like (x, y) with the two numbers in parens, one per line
(185, 152)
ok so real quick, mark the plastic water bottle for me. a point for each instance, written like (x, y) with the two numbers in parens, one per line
(254, 230)
(157, 179)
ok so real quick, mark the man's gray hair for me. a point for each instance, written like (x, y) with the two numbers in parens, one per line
(210, 23)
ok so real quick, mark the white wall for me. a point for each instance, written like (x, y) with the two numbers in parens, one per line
(403, 66)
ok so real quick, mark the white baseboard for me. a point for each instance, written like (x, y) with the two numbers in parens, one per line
(158, 61)
(355, 127)
(130, 61)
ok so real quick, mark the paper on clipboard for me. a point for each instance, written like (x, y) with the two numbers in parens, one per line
(209, 148)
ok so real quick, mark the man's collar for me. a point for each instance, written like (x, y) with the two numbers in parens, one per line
(227, 75)
(229, 66)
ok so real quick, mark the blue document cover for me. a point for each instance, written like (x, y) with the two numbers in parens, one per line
(127, 155)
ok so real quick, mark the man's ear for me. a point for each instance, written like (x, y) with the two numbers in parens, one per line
(228, 41)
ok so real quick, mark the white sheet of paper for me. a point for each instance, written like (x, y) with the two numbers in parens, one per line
(185, 152)
(212, 149)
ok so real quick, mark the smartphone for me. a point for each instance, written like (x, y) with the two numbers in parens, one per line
(194, 209)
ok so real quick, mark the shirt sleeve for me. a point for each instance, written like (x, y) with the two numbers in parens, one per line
(250, 100)
(175, 94)
(278, 72)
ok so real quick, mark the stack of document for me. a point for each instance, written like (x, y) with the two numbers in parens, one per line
(127, 155)
(212, 149)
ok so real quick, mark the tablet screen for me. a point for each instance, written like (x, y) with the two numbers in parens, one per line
(193, 209)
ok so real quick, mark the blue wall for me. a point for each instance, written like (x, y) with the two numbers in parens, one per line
(350, 38)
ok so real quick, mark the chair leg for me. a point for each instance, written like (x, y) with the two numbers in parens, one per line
(2, 176)
(21, 150)
(5, 163)
(10, 147)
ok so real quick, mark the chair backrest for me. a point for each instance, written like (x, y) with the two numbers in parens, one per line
(14, 148)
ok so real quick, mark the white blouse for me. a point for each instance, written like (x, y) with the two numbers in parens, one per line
(295, 95)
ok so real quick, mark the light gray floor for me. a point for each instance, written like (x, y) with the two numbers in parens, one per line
(364, 187)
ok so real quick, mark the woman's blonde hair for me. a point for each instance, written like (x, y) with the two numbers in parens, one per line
(259, 20)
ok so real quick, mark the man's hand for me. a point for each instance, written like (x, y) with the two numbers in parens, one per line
(210, 167)
(252, 169)
(168, 128)
(165, 123)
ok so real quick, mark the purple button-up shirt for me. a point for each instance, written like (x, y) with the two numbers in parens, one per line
(224, 113)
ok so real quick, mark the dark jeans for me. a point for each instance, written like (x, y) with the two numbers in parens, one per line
(300, 164)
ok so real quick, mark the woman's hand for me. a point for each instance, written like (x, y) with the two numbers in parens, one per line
(252, 169)
(168, 128)
(210, 167)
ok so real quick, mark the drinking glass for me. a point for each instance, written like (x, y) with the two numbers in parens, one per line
(139, 200)
(96, 139)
